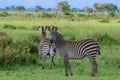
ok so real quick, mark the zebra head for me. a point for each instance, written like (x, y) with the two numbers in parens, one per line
(43, 31)
(54, 35)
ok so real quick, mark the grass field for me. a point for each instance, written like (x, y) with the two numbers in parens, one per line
(108, 61)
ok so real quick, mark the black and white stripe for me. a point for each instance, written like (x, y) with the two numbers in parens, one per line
(45, 48)
(75, 50)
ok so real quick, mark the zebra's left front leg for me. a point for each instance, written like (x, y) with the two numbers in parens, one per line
(51, 61)
(94, 64)
(44, 61)
(65, 64)
(69, 66)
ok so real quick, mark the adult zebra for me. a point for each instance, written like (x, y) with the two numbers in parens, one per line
(45, 47)
(75, 50)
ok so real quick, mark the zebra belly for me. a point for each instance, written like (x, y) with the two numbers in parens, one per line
(76, 55)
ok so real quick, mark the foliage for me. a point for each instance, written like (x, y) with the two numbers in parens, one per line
(22, 53)
(47, 15)
(104, 21)
(20, 8)
(7, 26)
(88, 10)
(63, 6)
(105, 7)
(37, 8)
(4, 14)
(112, 14)
(68, 14)
(105, 39)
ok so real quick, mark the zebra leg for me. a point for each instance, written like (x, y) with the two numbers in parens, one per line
(51, 61)
(39, 55)
(66, 65)
(39, 58)
(69, 66)
(94, 64)
(44, 58)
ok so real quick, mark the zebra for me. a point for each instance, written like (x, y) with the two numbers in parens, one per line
(45, 47)
(75, 50)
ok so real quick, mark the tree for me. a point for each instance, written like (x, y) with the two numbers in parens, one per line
(99, 7)
(105, 7)
(37, 8)
(49, 9)
(111, 7)
(7, 8)
(88, 10)
(12, 8)
(74, 10)
(63, 6)
(20, 8)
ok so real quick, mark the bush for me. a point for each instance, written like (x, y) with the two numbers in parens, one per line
(22, 28)
(7, 26)
(18, 53)
(118, 21)
(35, 27)
(104, 39)
(5, 40)
(112, 14)
(68, 14)
(46, 15)
(29, 15)
(104, 21)
(81, 15)
(31, 44)
(4, 14)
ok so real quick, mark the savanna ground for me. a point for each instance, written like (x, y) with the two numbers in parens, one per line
(20, 37)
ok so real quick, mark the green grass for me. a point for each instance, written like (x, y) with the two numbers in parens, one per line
(108, 61)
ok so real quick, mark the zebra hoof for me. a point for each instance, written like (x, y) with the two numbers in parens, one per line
(66, 74)
(93, 75)
(43, 67)
(71, 74)
(50, 67)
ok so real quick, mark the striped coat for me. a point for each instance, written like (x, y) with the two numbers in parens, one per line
(45, 47)
(75, 50)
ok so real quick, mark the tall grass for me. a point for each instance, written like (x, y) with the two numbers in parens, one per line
(19, 38)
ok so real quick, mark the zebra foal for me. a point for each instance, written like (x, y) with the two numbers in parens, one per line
(75, 50)
(45, 47)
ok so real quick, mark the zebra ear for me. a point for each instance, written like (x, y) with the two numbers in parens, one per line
(46, 27)
(41, 28)
(55, 29)
(52, 28)
(49, 28)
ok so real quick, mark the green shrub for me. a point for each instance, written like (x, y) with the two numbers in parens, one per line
(112, 14)
(104, 21)
(81, 15)
(4, 14)
(118, 21)
(7, 26)
(35, 27)
(21, 28)
(105, 39)
(5, 40)
(29, 15)
(46, 15)
(18, 53)
(68, 14)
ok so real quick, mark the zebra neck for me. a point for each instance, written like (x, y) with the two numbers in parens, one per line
(60, 43)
